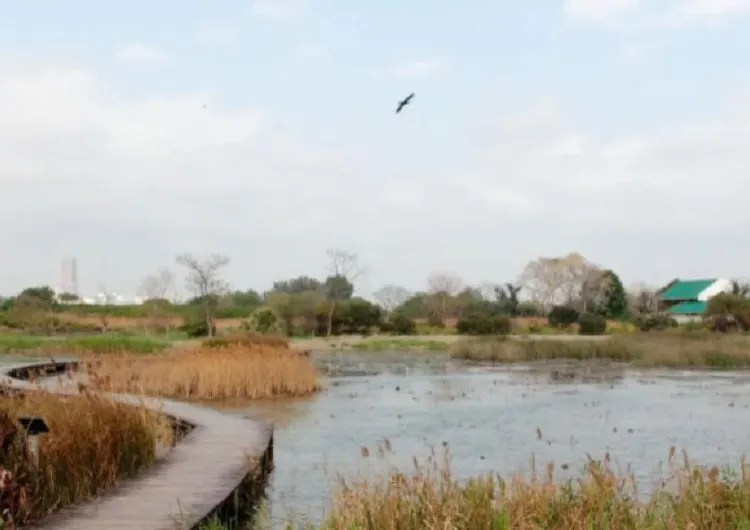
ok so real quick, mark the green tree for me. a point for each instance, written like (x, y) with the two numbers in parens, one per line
(415, 306)
(507, 296)
(615, 298)
(68, 297)
(33, 310)
(249, 298)
(43, 293)
(300, 284)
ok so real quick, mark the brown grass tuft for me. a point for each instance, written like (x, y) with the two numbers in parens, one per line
(92, 443)
(430, 498)
(688, 349)
(216, 373)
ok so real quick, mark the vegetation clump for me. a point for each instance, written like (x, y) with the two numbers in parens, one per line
(431, 498)
(211, 372)
(561, 316)
(678, 349)
(591, 324)
(483, 324)
(92, 443)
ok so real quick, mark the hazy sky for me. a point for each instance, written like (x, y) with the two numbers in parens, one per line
(133, 131)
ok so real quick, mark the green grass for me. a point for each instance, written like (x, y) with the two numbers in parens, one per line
(103, 343)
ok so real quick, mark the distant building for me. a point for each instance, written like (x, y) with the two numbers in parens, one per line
(686, 300)
(69, 276)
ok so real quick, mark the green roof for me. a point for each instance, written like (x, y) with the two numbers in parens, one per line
(688, 308)
(685, 290)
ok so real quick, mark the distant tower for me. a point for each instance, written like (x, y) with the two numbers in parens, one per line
(69, 277)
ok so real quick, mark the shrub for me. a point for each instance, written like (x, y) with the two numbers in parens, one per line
(400, 324)
(435, 321)
(195, 326)
(483, 324)
(561, 316)
(591, 324)
(722, 323)
(264, 320)
(656, 322)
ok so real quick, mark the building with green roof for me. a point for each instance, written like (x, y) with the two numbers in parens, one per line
(686, 300)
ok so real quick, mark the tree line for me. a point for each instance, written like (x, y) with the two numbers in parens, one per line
(563, 289)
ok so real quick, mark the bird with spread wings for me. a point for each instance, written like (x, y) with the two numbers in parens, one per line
(405, 102)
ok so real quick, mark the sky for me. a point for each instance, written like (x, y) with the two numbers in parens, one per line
(265, 130)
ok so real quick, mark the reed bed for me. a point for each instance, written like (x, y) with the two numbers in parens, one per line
(431, 498)
(685, 349)
(93, 442)
(216, 373)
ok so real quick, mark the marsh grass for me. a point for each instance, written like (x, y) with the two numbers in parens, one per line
(402, 344)
(104, 343)
(240, 338)
(93, 442)
(431, 498)
(686, 349)
(209, 373)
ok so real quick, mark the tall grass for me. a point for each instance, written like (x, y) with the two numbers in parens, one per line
(401, 344)
(213, 373)
(668, 349)
(102, 343)
(93, 442)
(431, 498)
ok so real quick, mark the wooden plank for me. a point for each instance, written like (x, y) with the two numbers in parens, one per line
(195, 477)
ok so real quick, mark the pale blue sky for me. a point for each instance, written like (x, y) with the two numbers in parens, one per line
(613, 128)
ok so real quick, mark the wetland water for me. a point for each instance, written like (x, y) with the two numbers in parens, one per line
(489, 419)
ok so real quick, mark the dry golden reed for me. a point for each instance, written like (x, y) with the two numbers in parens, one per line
(689, 349)
(235, 371)
(93, 442)
(430, 498)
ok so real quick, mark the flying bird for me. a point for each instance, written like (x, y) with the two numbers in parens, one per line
(404, 103)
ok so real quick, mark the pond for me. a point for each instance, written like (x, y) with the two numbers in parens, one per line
(495, 419)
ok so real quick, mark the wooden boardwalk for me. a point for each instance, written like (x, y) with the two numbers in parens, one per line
(180, 491)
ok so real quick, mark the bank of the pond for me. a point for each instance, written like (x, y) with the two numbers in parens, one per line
(686, 349)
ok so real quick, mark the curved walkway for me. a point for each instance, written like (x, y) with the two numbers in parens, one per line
(198, 475)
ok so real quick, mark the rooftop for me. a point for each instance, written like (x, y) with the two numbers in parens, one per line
(688, 308)
(682, 290)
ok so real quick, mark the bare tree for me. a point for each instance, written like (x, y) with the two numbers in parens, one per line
(643, 299)
(489, 290)
(343, 266)
(155, 289)
(204, 282)
(570, 279)
(542, 280)
(157, 286)
(443, 286)
(391, 296)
